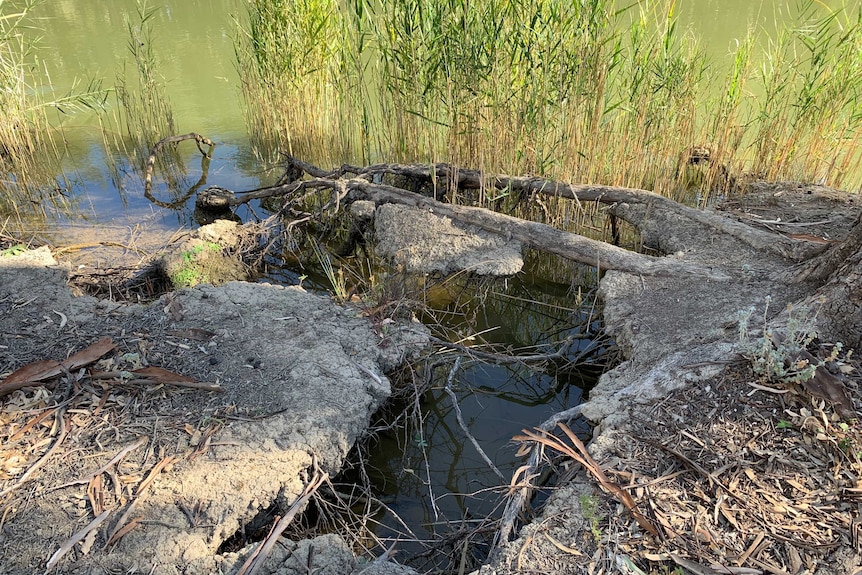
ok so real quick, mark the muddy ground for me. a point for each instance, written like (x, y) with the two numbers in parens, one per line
(741, 475)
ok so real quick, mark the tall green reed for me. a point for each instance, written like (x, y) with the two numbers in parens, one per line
(144, 113)
(290, 65)
(570, 89)
(808, 120)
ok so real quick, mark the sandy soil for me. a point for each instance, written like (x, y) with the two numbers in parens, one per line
(735, 472)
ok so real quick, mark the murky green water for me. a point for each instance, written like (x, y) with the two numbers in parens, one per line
(87, 39)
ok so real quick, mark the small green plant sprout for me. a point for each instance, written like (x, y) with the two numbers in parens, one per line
(783, 424)
(589, 507)
(780, 355)
(15, 250)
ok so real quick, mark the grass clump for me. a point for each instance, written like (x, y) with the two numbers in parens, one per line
(808, 120)
(573, 90)
(202, 262)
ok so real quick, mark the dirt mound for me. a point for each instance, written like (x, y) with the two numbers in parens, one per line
(169, 471)
(736, 472)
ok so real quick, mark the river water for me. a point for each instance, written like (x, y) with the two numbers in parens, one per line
(88, 39)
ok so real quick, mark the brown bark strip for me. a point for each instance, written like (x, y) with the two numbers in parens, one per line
(582, 456)
(69, 544)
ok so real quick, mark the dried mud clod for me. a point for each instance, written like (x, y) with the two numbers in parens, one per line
(214, 253)
(125, 452)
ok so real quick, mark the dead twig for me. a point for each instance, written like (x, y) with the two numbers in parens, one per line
(70, 543)
(154, 375)
(121, 527)
(151, 476)
(500, 359)
(460, 418)
(257, 559)
(151, 161)
(89, 477)
(32, 423)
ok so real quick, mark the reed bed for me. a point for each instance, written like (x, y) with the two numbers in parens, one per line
(29, 153)
(144, 109)
(573, 90)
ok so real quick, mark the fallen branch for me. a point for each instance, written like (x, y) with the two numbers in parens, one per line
(148, 175)
(260, 555)
(531, 234)
(539, 236)
(610, 195)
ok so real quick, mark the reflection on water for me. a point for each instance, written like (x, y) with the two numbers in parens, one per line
(430, 475)
(88, 39)
(82, 40)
